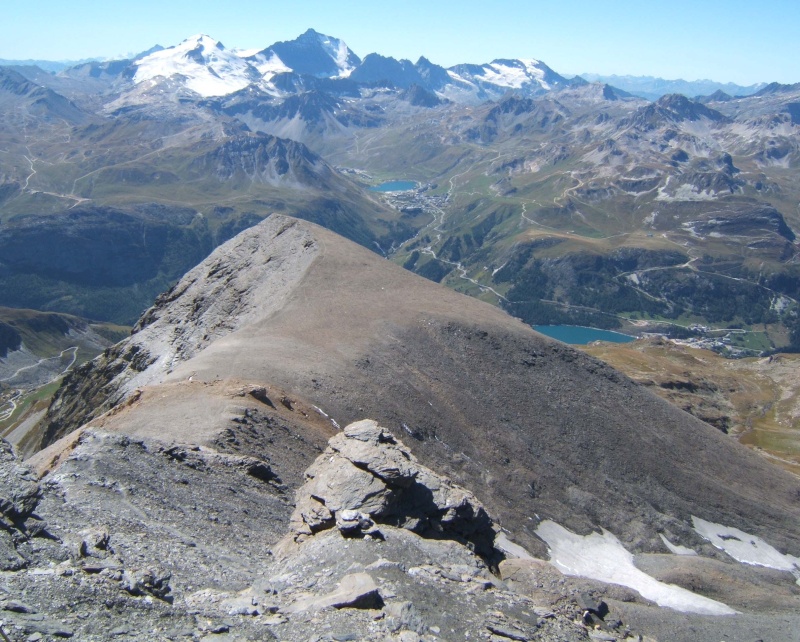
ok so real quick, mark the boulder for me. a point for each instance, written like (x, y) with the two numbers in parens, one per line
(367, 477)
(146, 581)
(19, 489)
(357, 591)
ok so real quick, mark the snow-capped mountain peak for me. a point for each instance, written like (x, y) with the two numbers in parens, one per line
(312, 53)
(500, 75)
(209, 68)
(514, 73)
(201, 40)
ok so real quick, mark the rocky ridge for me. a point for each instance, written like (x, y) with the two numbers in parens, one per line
(210, 302)
(314, 319)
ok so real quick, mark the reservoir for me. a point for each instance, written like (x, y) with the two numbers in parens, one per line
(579, 335)
(395, 186)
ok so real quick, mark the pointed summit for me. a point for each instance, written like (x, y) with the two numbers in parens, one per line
(202, 40)
(435, 76)
(312, 53)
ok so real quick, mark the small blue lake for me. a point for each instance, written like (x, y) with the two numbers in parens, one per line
(579, 335)
(395, 186)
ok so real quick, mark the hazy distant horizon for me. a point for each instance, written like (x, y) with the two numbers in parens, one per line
(725, 41)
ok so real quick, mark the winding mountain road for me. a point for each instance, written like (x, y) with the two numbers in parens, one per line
(9, 407)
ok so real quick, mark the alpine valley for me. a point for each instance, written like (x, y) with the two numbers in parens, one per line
(560, 200)
(299, 439)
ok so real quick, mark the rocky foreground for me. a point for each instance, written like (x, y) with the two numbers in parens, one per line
(133, 539)
(138, 539)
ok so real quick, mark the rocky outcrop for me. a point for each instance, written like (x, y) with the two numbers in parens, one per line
(366, 477)
(357, 590)
(179, 541)
(673, 108)
(174, 540)
(748, 219)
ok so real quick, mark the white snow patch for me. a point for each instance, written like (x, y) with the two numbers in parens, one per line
(650, 219)
(321, 411)
(327, 416)
(746, 548)
(458, 78)
(339, 52)
(689, 227)
(603, 557)
(686, 192)
(677, 549)
(268, 67)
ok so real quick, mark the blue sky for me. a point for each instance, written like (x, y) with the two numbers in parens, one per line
(728, 41)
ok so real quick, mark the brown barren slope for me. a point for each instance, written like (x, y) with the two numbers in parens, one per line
(756, 400)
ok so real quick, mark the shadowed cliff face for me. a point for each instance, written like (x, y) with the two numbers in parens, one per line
(333, 334)
(9, 339)
(99, 247)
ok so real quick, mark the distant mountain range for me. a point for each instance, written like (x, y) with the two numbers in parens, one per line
(53, 66)
(653, 88)
(210, 69)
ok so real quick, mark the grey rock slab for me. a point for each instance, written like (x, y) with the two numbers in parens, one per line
(141, 582)
(366, 444)
(403, 616)
(240, 606)
(18, 607)
(37, 624)
(95, 543)
(383, 563)
(357, 591)
(342, 486)
(507, 633)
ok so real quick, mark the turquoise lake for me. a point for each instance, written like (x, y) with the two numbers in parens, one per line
(395, 186)
(578, 335)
